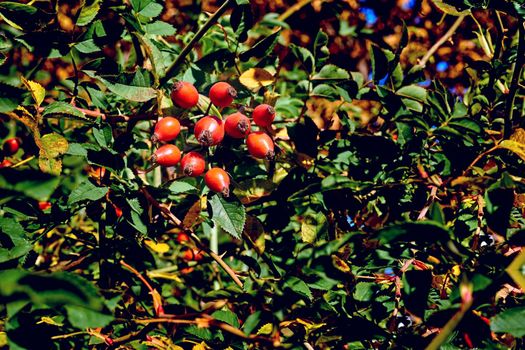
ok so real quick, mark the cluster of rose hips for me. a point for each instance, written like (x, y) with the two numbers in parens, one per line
(210, 131)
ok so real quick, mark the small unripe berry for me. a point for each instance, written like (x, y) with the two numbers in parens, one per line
(11, 146)
(222, 94)
(260, 145)
(218, 181)
(237, 125)
(263, 115)
(166, 129)
(193, 164)
(209, 131)
(184, 94)
(167, 155)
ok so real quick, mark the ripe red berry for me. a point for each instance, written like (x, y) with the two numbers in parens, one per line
(263, 115)
(184, 94)
(260, 145)
(237, 125)
(218, 180)
(193, 164)
(5, 163)
(192, 255)
(44, 206)
(167, 155)
(222, 94)
(11, 146)
(182, 237)
(209, 131)
(166, 129)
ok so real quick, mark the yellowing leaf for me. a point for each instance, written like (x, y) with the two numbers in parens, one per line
(37, 91)
(255, 78)
(3, 339)
(516, 269)
(158, 247)
(449, 9)
(514, 146)
(310, 326)
(165, 275)
(518, 136)
(266, 329)
(201, 346)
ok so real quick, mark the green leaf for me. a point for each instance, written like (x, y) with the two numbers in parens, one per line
(229, 214)
(305, 56)
(10, 97)
(227, 316)
(129, 92)
(53, 289)
(262, 47)
(152, 9)
(87, 46)
(88, 12)
(331, 72)
(86, 191)
(82, 317)
(63, 108)
(177, 187)
(510, 321)
(298, 286)
(15, 244)
(413, 92)
(16, 14)
(54, 145)
(160, 28)
(31, 183)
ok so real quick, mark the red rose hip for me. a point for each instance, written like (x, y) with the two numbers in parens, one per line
(193, 164)
(167, 155)
(237, 125)
(184, 94)
(209, 131)
(260, 145)
(11, 146)
(222, 94)
(166, 129)
(263, 115)
(218, 181)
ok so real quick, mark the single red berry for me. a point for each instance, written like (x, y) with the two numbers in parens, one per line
(192, 255)
(222, 94)
(209, 131)
(260, 145)
(5, 163)
(166, 129)
(193, 164)
(167, 155)
(184, 94)
(263, 115)
(218, 180)
(44, 206)
(182, 237)
(11, 146)
(237, 125)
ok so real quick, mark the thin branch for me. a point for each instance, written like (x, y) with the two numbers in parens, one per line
(513, 90)
(441, 41)
(170, 72)
(178, 223)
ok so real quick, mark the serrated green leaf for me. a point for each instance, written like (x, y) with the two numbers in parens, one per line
(86, 191)
(298, 286)
(227, 316)
(18, 245)
(82, 317)
(331, 72)
(229, 215)
(177, 187)
(63, 108)
(88, 12)
(160, 28)
(510, 321)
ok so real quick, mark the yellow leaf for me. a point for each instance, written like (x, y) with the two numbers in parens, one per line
(3, 339)
(165, 275)
(266, 329)
(516, 269)
(37, 91)
(310, 326)
(158, 247)
(518, 136)
(255, 78)
(201, 346)
(449, 9)
(514, 146)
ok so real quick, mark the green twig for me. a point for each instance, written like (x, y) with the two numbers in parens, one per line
(170, 72)
(520, 60)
